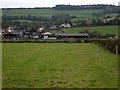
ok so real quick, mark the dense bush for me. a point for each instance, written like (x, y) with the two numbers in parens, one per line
(109, 44)
(28, 17)
(82, 7)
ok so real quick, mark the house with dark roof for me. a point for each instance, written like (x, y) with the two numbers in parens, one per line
(67, 35)
(10, 35)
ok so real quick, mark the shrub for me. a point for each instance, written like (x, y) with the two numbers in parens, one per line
(109, 44)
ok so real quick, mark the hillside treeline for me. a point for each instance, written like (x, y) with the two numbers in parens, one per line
(77, 7)
(27, 17)
(106, 7)
(39, 18)
(34, 22)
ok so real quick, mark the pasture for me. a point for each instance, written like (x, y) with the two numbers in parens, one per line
(58, 65)
(101, 29)
(49, 12)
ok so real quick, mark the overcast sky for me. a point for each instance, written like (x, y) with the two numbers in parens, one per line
(52, 3)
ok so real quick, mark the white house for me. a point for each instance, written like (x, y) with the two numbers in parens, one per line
(67, 25)
(40, 29)
(53, 27)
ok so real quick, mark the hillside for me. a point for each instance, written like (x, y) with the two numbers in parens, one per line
(49, 12)
(34, 18)
(83, 11)
(101, 29)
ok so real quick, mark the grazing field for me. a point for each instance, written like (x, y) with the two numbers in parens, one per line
(64, 65)
(49, 12)
(101, 29)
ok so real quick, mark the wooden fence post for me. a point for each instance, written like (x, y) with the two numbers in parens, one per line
(116, 49)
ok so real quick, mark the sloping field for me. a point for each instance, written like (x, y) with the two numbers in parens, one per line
(65, 65)
(101, 29)
(49, 12)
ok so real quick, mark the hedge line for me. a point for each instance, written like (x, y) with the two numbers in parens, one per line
(45, 41)
(113, 45)
(109, 44)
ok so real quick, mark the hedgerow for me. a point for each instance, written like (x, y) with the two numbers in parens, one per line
(110, 44)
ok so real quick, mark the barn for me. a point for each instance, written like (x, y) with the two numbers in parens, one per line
(65, 36)
(10, 35)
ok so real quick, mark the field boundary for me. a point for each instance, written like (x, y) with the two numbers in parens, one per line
(46, 41)
(110, 44)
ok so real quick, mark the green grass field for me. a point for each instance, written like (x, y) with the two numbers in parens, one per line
(49, 12)
(65, 65)
(101, 29)
(80, 14)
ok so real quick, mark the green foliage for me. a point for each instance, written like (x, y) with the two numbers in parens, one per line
(118, 15)
(109, 44)
(35, 18)
(114, 21)
(108, 16)
(110, 10)
(28, 17)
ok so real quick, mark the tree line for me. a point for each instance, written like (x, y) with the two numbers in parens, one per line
(39, 18)
(77, 7)
(28, 17)
(55, 20)
(35, 22)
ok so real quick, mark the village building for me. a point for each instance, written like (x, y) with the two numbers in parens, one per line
(53, 27)
(67, 25)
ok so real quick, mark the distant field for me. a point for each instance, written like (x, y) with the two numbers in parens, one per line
(112, 15)
(76, 65)
(80, 14)
(49, 12)
(22, 20)
(101, 29)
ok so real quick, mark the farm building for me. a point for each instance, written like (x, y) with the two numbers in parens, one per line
(10, 35)
(53, 27)
(67, 25)
(64, 36)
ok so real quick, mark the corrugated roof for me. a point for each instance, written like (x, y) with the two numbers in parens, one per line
(46, 33)
(64, 34)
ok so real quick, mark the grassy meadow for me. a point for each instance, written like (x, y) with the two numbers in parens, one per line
(64, 65)
(80, 14)
(101, 29)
